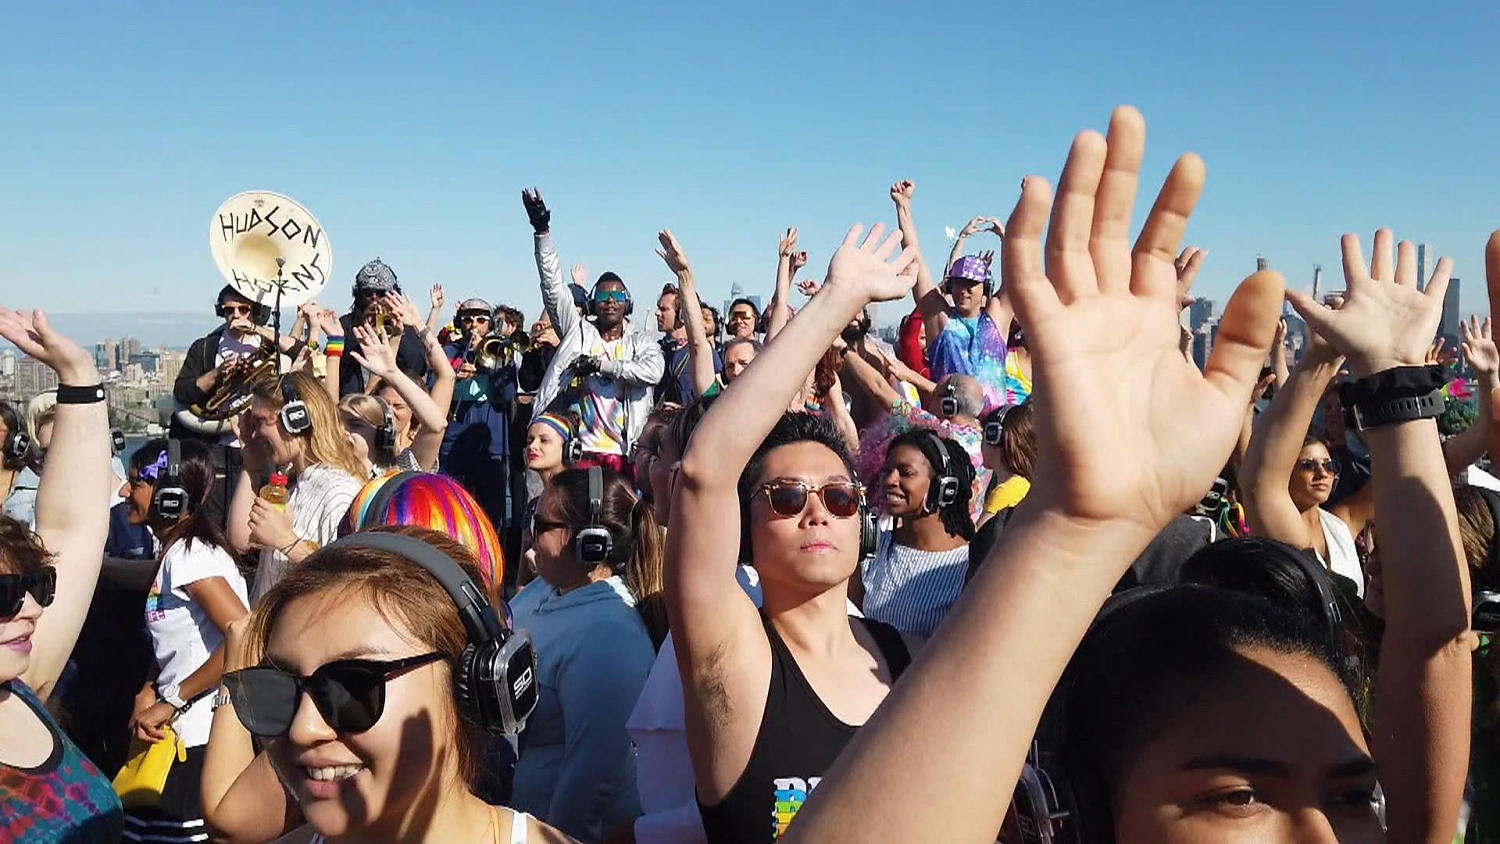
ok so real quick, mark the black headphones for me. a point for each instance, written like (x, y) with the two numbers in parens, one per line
(117, 440)
(573, 448)
(17, 447)
(494, 680)
(943, 490)
(948, 404)
(385, 433)
(594, 545)
(294, 416)
(994, 424)
(258, 313)
(170, 501)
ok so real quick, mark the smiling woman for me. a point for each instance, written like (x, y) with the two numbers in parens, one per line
(347, 674)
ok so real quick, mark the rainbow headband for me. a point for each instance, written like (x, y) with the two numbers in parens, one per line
(557, 423)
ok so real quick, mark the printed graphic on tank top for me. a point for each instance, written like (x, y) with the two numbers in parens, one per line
(797, 742)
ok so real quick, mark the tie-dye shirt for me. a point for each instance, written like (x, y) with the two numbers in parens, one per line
(65, 798)
(971, 346)
(602, 409)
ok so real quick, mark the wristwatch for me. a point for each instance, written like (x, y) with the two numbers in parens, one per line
(169, 695)
(222, 698)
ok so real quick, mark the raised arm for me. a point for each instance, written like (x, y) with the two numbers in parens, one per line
(930, 300)
(333, 348)
(710, 615)
(556, 297)
(786, 264)
(1423, 691)
(1460, 451)
(377, 357)
(1276, 441)
(1279, 368)
(72, 518)
(935, 763)
(700, 351)
(435, 308)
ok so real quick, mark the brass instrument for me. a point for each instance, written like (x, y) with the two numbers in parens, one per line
(215, 415)
(492, 352)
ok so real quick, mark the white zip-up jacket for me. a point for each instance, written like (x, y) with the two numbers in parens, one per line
(639, 369)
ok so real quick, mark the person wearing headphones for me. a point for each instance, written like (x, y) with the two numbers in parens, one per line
(918, 567)
(291, 428)
(598, 560)
(604, 370)
(15, 449)
(196, 594)
(772, 696)
(364, 675)
(400, 427)
(372, 284)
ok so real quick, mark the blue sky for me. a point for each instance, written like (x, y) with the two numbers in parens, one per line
(410, 129)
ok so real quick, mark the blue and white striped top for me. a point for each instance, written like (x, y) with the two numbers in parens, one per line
(909, 589)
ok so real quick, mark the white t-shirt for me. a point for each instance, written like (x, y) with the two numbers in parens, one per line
(317, 502)
(1343, 558)
(182, 634)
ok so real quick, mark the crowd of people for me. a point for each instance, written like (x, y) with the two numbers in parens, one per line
(1026, 575)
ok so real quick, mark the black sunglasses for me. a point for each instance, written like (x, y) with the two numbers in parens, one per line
(42, 584)
(788, 497)
(349, 693)
(540, 526)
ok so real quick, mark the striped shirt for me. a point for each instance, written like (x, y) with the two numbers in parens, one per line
(910, 589)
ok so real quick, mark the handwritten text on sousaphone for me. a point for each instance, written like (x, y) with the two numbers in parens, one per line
(305, 275)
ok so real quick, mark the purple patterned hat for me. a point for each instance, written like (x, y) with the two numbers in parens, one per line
(970, 268)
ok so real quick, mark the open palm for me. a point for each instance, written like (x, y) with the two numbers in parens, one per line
(1127, 428)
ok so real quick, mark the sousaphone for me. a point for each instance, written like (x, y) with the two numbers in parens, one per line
(275, 253)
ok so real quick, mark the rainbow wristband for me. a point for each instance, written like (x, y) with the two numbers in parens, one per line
(334, 347)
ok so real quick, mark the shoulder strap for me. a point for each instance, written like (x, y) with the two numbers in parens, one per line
(892, 648)
(519, 830)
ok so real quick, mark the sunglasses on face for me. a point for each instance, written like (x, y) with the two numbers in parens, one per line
(602, 296)
(473, 318)
(42, 585)
(349, 693)
(235, 310)
(540, 526)
(788, 497)
(1307, 464)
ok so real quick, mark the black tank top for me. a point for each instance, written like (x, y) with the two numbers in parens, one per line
(797, 742)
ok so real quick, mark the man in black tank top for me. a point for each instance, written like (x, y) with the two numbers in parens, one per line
(772, 698)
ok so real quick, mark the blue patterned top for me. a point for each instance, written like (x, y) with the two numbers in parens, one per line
(63, 799)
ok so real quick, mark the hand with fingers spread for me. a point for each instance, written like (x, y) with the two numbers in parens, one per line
(580, 275)
(1479, 347)
(1101, 310)
(404, 309)
(863, 265)
(34, 336)
(374, 353)
(1386, 321)
(328, 321)
(536, 211)
(808, 287)
(435, 297)
(671, 253)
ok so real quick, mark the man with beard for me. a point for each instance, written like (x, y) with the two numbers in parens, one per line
(603, 371)
(374, 280)
(677, 381)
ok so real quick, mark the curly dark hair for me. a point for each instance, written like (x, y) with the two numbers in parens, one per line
(955, 516)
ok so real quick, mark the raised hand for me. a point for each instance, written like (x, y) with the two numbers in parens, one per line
(866, 266)
(1385, 321)
(435, 297)
(808, 287)
(1435, 351)
(975, 226)
(1103, 312)
(671, 252)
(1479, 347)
(580, 275)
(328, 320)
(996, 227)
(902, 192)
(1187, 264)
(988, 257)
(536, 210)
(34, 336)
(799, 260)
(374, 353)
(404, 308)
(788, 245)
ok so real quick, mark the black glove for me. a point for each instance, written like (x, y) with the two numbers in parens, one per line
(536, 209)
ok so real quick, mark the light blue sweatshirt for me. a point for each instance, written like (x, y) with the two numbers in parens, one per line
(577, 769)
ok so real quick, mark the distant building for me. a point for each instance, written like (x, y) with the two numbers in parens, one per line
(106, 355)
(1203, 342)
(170, 365)
(1260, 263)
(1452, 317)
(33, 376)
(147, 361)
(8, 364)
(1199, 313)
(738, 292)
(1427, 259)
(129, 348)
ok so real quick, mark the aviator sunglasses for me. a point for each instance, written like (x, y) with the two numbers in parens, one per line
(349, 693)
(1307, 464)
(42, 584)
(788, 497)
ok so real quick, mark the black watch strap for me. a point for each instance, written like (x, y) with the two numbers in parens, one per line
(1377, 413)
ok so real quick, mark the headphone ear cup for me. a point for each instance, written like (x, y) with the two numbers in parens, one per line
(869, 531)
(465, 687)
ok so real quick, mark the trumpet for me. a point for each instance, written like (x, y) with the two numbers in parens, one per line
(491, 352)
(215, 414)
